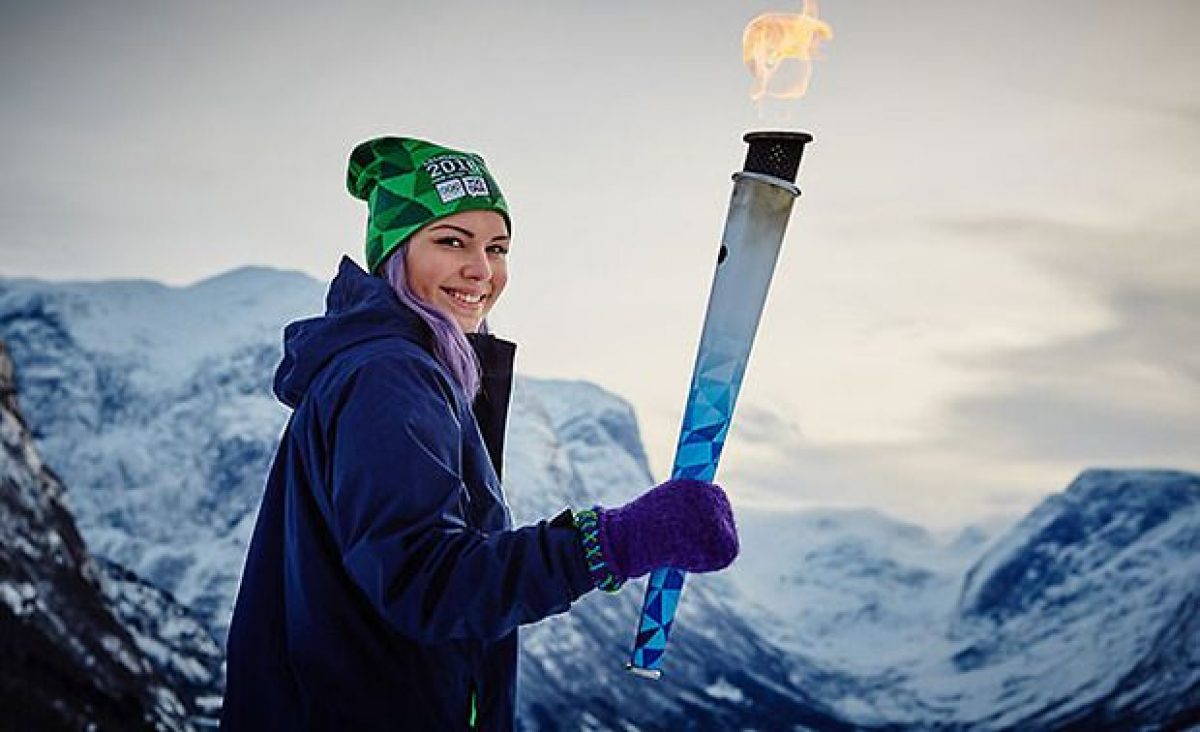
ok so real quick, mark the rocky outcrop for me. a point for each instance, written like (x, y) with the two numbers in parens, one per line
(67, 659)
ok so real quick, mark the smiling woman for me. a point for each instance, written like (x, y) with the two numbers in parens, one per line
(385, 583)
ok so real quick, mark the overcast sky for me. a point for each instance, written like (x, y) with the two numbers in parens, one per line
(990, 283)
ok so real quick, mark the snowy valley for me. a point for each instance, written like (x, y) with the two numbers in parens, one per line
(153, 406)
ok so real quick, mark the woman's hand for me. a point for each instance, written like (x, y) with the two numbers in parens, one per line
(685, 524)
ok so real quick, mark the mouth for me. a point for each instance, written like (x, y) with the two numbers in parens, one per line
(468, 301)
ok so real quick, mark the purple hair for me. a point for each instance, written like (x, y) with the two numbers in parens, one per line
(450, 345)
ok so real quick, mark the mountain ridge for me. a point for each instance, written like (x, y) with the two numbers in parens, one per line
(830, 620)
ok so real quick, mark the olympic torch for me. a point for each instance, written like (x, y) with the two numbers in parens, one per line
(763, 194)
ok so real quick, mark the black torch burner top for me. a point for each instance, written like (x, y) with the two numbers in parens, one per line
(776, 154)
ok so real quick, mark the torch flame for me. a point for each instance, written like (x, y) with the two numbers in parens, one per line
(772, 39)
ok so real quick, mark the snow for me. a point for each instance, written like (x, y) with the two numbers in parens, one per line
(20, 597)
(888, 602)
(722, 689)
(172, 328)
(155, 408)
(120, 652)
(854, 589)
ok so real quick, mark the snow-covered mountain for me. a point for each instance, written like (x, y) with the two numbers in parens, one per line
(167, 442)
(155, 402)
(83, 644)
(1085, 615)
(1088, 612)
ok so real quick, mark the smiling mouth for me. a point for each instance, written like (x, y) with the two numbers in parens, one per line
(468, 300)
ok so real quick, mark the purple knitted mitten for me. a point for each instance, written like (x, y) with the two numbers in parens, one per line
(685, 524)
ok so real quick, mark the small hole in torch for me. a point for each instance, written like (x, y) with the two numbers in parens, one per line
(721, 254)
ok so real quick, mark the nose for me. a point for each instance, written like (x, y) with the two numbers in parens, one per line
(477, 267)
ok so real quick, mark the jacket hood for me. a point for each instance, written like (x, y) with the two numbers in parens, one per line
(358, 308)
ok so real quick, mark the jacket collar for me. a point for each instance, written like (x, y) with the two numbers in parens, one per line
(358, 308)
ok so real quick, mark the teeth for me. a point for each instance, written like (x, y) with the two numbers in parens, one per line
(463, 297)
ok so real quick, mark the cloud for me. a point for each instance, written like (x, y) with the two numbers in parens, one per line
(1125, 393)
(765, 426)
(1156, 251)
(1188, 113)
(1128, 393)
(1046, 422)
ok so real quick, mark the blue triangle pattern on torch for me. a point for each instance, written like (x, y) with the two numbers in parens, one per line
(702, 438)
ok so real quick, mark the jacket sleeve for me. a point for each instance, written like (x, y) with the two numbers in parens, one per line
(394, 503)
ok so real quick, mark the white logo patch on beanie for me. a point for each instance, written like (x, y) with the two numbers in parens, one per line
(476, 186)
(451, 190)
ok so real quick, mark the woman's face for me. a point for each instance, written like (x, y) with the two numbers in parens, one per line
(458, 264)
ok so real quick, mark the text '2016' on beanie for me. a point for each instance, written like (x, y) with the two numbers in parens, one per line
(408, 183)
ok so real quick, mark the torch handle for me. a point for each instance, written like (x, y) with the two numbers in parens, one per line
(758, 214)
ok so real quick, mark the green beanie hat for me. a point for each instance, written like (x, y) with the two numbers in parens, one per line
(408, 183)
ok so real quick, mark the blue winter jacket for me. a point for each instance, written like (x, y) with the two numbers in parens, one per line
(384, 582)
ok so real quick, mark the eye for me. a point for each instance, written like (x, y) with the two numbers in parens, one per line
(499, 249)
(450, 241)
